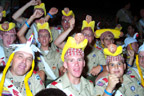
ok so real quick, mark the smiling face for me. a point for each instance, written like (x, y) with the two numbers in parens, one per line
(107, 41)
(8, 38)
(74, 65)
(44, 37)
(21, 63)
(116, 67)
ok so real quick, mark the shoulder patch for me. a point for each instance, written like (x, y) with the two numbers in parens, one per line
(54, 83)
(105, 79)
(90, 81)
(132, 76)
(100, 83)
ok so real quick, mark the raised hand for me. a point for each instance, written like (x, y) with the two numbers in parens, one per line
(53, 11)
(72, 23)
(37, 14)
(33, 3)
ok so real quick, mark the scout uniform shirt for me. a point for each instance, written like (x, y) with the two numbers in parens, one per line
(134, 71)
(35, 83)
(52, 58)
(95, 58)
(85, 88)
(129, 87)
(5, 52)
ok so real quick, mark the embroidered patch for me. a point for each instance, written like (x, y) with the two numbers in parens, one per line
(70, 95)
(54, 83)
(53, 67)
(37, 77)
(129, 72)
(10, 86)
(29, 83)
(105, 79)
(100, 84)
(132, 88)
(90, 81)
(132, 76)
(15, 92)
(94, 55)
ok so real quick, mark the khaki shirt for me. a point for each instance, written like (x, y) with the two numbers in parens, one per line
(86, 88)
(35, 83)
(129, 87)
(134, 71)
(53, 59)
(95, 58)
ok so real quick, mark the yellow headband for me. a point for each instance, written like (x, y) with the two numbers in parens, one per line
(44, 26)
(71, 43)
(90, 24)
(11, 26)
(115, 32)
(41, 6)
(4, 13)
(139, 70)
(70, 13)
(28, 91)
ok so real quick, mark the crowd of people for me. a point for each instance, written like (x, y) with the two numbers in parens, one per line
(101, 59)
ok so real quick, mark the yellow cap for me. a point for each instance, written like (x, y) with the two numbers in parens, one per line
(71, 43)
(11, 26)
(44, 26)
(90, 24)
(115, 32)
(41, 6)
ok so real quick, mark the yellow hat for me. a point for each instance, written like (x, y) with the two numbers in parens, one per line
(70, 13)
(44, 26)
(11, 25)
(4, 13)
(115, 32)
(71, 43)
(41, 6)
(90, 24)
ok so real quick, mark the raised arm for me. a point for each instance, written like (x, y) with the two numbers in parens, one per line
(59, 42)
(51, 12)
(21, 32)
(17, 15)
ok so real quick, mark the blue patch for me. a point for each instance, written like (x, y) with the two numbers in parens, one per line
(132, 88)
(29, 83)
(94, 55)
(100, 84)
(37, 77)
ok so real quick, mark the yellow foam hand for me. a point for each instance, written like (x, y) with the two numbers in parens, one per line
(90, 24)
(115, 32)
(71, 43)
(117, 52)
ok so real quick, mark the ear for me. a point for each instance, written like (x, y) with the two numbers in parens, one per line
(65, 64)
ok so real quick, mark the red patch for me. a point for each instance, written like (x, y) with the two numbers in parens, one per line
(15, 92)
(54, 83)
(34, 72)
(70, 95)
(90, 81)
(57, 50)
(105, 79)
(41, 82)
(132, 76)
(10, 86)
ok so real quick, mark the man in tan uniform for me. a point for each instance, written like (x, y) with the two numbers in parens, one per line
(72, 83)
(19, 81)
(8, 37)
(138, 70)
(116, 82)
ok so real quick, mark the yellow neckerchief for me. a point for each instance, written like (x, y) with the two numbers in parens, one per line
(90, 24)
(139, 70)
